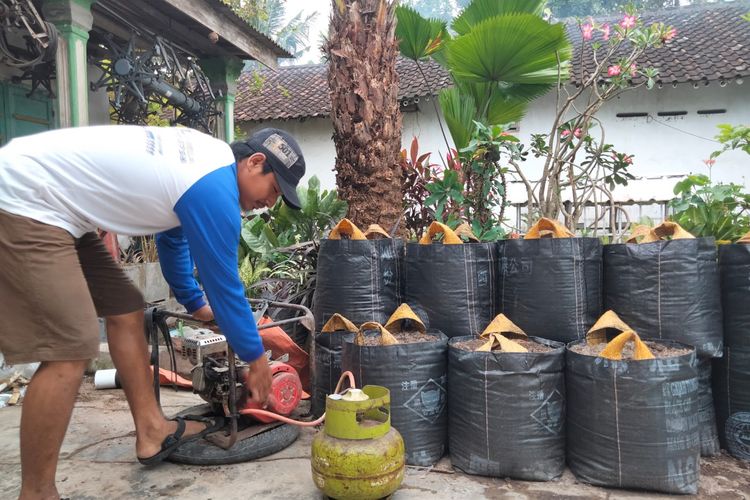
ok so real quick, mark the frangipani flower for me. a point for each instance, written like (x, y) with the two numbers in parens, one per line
(587, 31)
(628, 22)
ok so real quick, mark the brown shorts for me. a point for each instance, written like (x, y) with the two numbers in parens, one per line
(52, 288)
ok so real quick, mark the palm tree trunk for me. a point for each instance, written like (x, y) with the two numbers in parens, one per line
(361, 51)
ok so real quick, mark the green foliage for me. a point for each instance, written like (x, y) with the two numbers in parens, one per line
(459, 110)
(418, 37)
(251, 274)
(501, 47)
(733, 137)
(282, 227)
(481, 10)
(268, 16)
(418, 173)
(503, 56)
(473, 188)
(278, 250)
(514, 48)
(708, 209)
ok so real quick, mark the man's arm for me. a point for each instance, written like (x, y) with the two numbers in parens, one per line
(177, 268)
(210, 216)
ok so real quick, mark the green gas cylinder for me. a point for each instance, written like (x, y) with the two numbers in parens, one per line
(358, 456)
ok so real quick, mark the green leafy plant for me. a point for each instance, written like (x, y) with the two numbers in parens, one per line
(279, 249)
(473, 187)
(501, 56)
(732, 137)
(418, 173)
(707, 209)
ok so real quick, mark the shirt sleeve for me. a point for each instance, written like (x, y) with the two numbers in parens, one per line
(209, 213)
(177, 268)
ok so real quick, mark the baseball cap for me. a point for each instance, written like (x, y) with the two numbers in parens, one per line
(283, 155)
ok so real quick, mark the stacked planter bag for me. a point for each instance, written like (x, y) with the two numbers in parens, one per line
(357, 277)
(669, 289)
(551, 278)
(732, 372)
(411, 362)
(506, 404)
(451, 282)
(326, 366)
(631, 418)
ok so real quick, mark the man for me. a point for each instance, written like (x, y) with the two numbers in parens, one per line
(56, 277)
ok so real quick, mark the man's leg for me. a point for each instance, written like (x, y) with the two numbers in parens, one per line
(44, 419)
(127, 346)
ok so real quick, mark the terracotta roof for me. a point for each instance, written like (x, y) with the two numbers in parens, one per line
(712, 43)
(302, 91)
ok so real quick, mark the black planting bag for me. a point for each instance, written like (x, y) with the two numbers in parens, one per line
(667, 290)
(453, 284)
(731, 383)
(634, 424)
(734, 263)
(551, 287)
(416, 375)
(706, 412)
(732, 372)
(360, 279)
(506, 412)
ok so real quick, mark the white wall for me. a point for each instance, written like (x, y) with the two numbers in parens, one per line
(657, 148)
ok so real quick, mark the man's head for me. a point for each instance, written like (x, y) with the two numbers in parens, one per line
(269, 164)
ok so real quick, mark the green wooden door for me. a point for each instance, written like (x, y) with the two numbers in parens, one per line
(22, 115)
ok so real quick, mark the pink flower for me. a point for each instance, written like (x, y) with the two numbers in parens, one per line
(709, 163)
(588, 31)
(605, 32)
(628, 159)
(565, 133)
(633, 70)
(577, 133)
(670, 34)
(628, 22)
(614, 70)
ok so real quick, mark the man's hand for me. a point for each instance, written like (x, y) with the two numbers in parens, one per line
(258, 380)
(204, 314)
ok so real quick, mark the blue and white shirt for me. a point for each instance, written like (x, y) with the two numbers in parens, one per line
(174, 182)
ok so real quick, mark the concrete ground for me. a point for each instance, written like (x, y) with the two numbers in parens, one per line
(98, 461)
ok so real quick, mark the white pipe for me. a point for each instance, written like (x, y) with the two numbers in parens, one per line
(106, 379)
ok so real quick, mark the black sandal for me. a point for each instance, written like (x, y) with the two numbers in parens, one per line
(176, 439)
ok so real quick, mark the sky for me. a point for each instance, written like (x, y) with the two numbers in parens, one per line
(320, 26)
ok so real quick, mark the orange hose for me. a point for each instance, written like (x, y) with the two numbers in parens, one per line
(349, 376)
(282, 418)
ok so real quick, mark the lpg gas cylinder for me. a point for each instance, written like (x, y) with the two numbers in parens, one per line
(358, 456)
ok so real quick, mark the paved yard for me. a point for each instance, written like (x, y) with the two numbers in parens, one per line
(98, 462)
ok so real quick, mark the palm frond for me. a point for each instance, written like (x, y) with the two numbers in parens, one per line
(517, 48)
(418, 37)
(481, 10)
(459, 111)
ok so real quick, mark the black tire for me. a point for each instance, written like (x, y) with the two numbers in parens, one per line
(202, 452)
